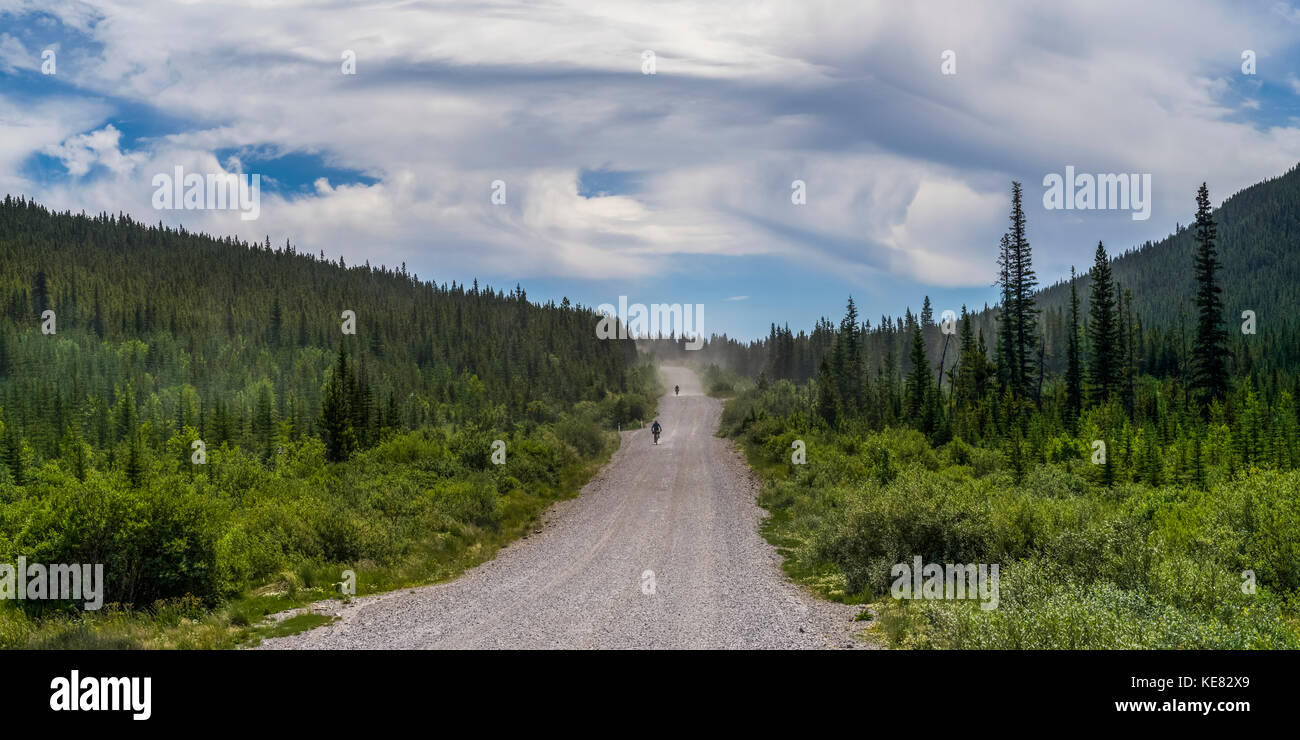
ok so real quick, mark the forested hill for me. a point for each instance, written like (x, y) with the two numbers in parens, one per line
(189, 329)
(1258, 246)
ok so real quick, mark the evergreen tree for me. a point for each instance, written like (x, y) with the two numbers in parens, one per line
(135, 467)
(1026, 314)
(41, 292)
(13, 455)
(363, 405)
(1006, 338)
(846, 360)
(336, 412)
(1209, 379)
(1103, 331)
(1017, 333)
(918, 382)
(827, 402)
(264, 422)
(277, 323)
(1074, 369)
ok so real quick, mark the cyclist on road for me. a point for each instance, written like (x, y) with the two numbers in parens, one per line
(655, 429)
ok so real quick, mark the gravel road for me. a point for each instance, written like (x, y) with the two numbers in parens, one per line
(660, 550)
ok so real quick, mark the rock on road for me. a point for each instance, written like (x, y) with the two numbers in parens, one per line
(660, 550)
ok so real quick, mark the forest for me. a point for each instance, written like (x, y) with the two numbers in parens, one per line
(1122, 444)
(229, 426)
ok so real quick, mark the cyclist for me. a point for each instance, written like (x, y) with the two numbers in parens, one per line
(655, 429)
(677, 390)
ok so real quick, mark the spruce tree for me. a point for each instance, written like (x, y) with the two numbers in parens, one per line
(1073, 368)
(1209, 379)
(1023, 281)
(1006, 339)
(918, 382)
(336, 412)
(277, 323)
(13, 455)
(1103, 331)
(846, 360)
(827, 402)
(135, 467)
(264, 422)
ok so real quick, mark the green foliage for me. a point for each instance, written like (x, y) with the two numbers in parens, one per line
(324, 451)
(1209, 377)
(1142, 564)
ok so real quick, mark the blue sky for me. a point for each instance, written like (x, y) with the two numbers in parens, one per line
(671, 187)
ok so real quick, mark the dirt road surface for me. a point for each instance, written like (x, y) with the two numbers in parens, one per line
(660, 550)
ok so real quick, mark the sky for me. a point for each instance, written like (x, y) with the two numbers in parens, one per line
(527, 142)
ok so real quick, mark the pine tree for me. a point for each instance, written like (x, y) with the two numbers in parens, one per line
(336, 412)
(1198, 465)
(1017, 334)
(97, 321)
(918, 382)
(827, 402)
(41, 292)
(1209, 379)
(846, 360)
(1006, 338)
(1103, 331)
(277, 322)
(13, 455)
(264, 422)
(135, 468)
(1128, 347)
(363, 405)
(1073, 368)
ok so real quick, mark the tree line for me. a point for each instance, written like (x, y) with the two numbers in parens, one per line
(157, 330)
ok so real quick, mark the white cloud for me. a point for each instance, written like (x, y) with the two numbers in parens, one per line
(907, 170)
(101, 147)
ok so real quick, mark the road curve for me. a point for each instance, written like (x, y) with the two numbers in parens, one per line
(683, 510)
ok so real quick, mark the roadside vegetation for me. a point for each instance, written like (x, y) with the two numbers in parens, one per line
(1083, 564)
(228, 427)
(1146, 494)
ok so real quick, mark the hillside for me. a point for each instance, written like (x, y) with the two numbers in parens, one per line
(1146, 497)
(1258, 233)
(195, 417)
(1258, 230)
(192, 326)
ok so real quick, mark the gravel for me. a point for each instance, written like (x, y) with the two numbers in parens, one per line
(683, 510)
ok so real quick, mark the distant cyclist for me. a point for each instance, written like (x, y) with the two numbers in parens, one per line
(677, 390)
(655, 429)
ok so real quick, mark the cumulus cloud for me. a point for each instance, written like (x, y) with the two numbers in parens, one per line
(907, 170)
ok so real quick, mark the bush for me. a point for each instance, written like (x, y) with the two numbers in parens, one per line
(583, 435)
(920, 513)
